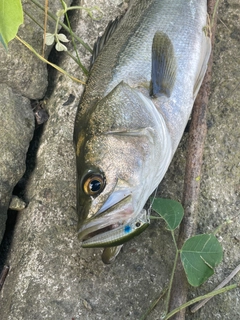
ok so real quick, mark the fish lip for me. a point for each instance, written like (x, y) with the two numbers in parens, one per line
(118, 214)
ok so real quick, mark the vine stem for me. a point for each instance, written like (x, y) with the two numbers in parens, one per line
(221, 285)
(45, 26)
(48, 62)
(77, 60)
(206, 296)
(173, 272)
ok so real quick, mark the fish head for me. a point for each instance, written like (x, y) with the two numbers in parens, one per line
(109, 190)
(116, 151)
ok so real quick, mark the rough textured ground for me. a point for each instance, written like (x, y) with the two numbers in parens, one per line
(22, 77)
(51, 277)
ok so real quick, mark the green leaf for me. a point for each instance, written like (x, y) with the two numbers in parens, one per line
(60, 47)
(49, 38)
(62, 37)
(200, 255)
(171, 211)
(11, 17)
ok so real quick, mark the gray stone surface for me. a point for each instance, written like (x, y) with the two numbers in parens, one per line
(22, 76)
(51, 277)
(28, 74)
(17, 126)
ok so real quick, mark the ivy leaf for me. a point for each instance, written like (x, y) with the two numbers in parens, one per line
(200, 255)
(171, 211)
(11, 17)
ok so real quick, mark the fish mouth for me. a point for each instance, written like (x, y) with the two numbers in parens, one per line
(116, 222)
(112, 218)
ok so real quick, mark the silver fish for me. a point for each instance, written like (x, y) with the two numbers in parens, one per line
(147, 69)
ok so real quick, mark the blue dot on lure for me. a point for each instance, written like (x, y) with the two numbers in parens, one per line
(127, 229)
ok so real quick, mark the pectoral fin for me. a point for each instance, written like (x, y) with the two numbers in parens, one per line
(205, 54)
(164, 65)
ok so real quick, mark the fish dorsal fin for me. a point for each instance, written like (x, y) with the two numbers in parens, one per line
(164, 65)
(102, 40)
(205, 54)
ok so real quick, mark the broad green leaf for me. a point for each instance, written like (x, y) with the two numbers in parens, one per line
(171, 211)
(11, 17)
(200, 255)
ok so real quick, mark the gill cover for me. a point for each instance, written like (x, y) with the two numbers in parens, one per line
(122, 137)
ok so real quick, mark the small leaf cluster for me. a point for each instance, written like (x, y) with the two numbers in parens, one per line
(59, 38)
(11, 17)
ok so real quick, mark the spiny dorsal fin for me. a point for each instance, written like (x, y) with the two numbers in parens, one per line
(164, 65)
(101, 41)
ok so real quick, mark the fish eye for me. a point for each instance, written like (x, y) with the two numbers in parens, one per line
(93, 184)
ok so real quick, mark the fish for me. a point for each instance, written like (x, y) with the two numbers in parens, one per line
(145, 73)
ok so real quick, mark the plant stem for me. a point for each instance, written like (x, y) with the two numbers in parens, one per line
(154, 303)
(56, 25)
(173, 272)
(33, 19)
(208, 295)
(45, 26)
(221, 285)
(46, 61)
(89, 11)
(174, 241)
(78, 62)
(77, 59)
(66, 52)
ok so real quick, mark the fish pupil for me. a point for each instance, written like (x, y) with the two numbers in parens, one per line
(95, 185)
